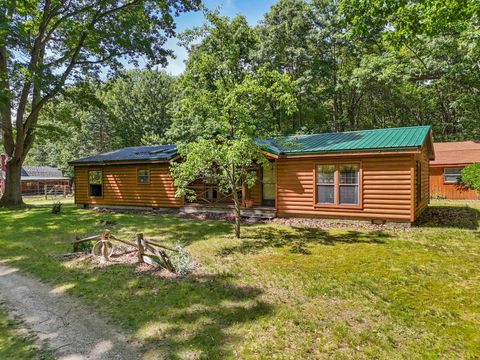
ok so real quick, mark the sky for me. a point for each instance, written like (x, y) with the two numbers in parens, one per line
(253, 11)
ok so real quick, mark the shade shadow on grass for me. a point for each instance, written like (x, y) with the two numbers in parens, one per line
(461, 217)
(194, 316)
(299, 239)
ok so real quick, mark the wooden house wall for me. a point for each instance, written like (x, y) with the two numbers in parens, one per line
(448, 191)
(385, 189)
(422, 204)
(120, 186)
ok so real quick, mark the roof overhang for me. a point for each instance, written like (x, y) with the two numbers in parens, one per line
(453, 164)
(122, 162)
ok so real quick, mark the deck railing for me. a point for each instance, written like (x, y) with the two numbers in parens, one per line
(203, 192)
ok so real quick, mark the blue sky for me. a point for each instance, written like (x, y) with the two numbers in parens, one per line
(253, 11)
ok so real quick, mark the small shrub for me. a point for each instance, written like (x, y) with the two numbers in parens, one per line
(182, 261)
(85, 246)
(471, 177)
(56, 207)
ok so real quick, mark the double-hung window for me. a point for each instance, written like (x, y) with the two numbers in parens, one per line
(326, 184)
(452, 175)
(338, 184)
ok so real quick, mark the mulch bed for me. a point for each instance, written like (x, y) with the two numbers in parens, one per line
(123, 256)
(339, 224)
(295, 222)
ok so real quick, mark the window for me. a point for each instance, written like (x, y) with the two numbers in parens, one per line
(143, 176)
(348, 188)
(452, 175)
(268, 185)
(338, 184)
(326, 184)
(95, 183)
(211, 192)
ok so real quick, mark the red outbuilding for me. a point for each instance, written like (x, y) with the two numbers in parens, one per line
(445, 170)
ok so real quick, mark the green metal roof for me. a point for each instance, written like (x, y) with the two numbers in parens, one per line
(404, 138)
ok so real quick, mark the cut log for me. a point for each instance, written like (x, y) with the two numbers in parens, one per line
(140, 248)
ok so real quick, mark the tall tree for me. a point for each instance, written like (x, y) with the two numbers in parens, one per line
(45, 43)
(428, 64)
(222, 109)
(138, 101)
(74, 124)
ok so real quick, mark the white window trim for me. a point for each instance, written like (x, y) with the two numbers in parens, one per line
(452, 174)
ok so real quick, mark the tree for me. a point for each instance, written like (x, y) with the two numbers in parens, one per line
(432, 49)
(46, 43)
(222, 110)
(138, 101)
(94, 117)
(74, 124)
(290, 44)
(471, 177)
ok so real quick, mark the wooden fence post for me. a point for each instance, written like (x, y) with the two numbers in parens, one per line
(105, 242)
(75, 244)
(141, 250)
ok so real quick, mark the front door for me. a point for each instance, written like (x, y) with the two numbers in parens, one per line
(268, 185)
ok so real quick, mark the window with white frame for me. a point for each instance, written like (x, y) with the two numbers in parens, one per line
(326, 184)
(338, 184)
(452, 175)
(348, 187)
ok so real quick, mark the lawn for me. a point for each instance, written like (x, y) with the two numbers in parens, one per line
(40, 200)
(279, 292)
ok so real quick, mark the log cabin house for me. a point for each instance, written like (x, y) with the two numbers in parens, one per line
(375, 175)
(445, 170)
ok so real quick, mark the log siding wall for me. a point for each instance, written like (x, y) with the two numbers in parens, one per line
(386, 193)
(120, 186)
(438, 188)
(425, 183)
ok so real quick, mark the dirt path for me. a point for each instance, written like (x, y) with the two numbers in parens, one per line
(63, 325)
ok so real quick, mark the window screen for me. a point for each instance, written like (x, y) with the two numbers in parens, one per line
(326, 184)
(452, 175)
(95, 182)
(348, 187)
(143, 176)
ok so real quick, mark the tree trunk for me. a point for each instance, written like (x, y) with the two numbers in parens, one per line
(13, 186)
(236, 203)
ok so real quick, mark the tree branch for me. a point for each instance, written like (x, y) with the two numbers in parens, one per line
(33, 116)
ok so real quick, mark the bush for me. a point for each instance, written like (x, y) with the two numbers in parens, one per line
(56, 207)
(85, 246)
(182, 261)
(471, 177)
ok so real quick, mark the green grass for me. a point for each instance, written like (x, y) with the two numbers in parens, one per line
(15, 344)
(279, 292)
(41, 200)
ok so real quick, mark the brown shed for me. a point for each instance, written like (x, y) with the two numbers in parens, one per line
(378, 174)
(445, 170)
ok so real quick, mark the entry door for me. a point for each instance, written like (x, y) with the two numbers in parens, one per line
(268, 185)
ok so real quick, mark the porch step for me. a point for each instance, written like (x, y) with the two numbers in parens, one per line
(256, 212)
